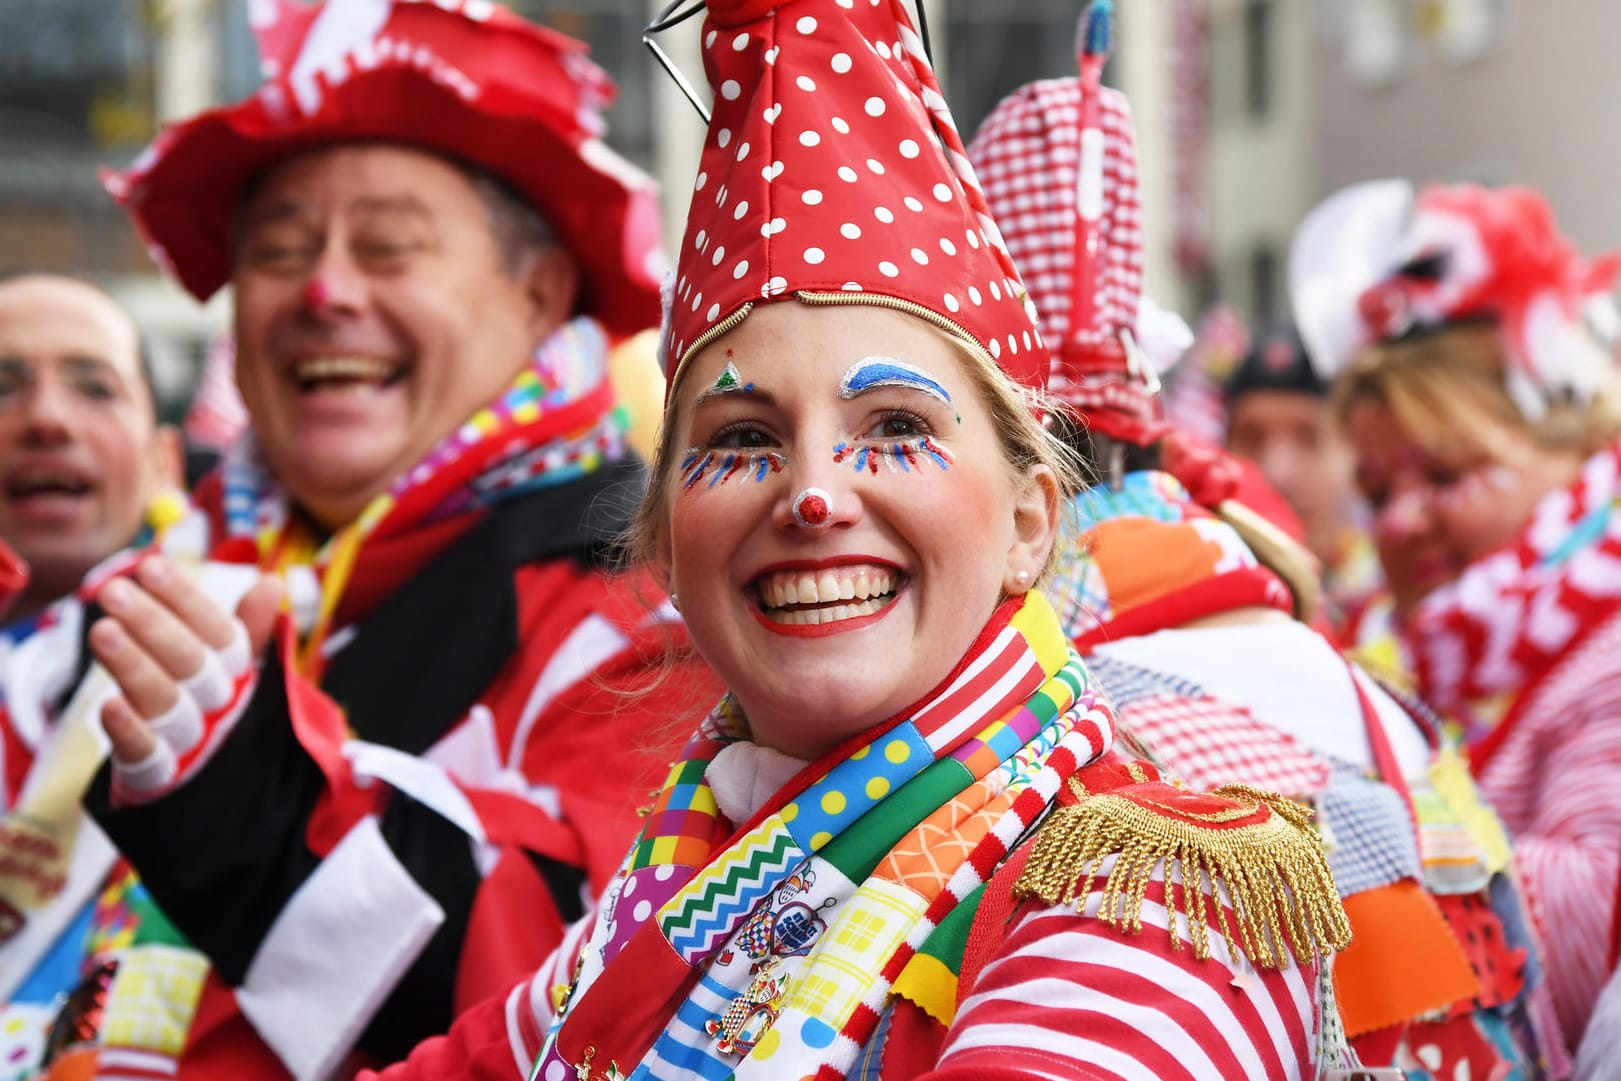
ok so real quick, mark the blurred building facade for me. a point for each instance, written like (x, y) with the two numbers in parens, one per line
(1247, 112)
(1491, 91)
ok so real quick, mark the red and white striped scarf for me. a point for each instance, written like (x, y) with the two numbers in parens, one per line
(1481, 641)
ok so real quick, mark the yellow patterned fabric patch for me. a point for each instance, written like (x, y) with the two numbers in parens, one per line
(154, 998)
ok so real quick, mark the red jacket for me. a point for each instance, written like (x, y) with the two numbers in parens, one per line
(481, 739)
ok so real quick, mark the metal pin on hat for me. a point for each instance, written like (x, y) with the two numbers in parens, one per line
(813, 508)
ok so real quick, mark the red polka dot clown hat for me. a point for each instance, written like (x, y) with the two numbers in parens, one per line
(833, 172)
(1058, 159)
(463, 78)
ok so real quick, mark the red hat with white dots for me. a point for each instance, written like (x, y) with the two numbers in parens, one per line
(1059, 163)
(833, 173)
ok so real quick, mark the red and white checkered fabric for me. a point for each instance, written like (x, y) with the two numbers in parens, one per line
(832, 166)
(1027, 154)
(1210, 743)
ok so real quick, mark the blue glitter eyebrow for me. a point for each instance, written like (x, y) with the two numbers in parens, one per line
(870, 373)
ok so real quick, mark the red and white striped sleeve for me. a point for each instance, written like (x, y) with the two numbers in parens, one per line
(1070, 997)
(500, 1038)
(1567, 838)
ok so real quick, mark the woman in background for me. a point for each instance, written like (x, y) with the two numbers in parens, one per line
(1477, 379)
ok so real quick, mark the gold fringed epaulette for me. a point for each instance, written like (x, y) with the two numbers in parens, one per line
(1253, 844)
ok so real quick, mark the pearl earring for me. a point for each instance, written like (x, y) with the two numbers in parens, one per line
(1022, 577)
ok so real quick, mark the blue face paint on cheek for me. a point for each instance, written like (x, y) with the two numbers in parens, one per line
(871, 373)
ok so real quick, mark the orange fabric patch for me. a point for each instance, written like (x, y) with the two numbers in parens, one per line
(1143, 559)
(925, 860)
(1403, 960)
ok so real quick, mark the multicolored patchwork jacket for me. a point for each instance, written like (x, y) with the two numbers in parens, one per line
(1083, 957)
(1444, 972)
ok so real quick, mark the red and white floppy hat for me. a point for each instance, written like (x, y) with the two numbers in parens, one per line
(464, 78)
(1058, 158)
(833, 172)
(1379, 261)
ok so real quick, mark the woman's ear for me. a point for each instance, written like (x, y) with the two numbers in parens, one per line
(661, 567)
(1036, 515)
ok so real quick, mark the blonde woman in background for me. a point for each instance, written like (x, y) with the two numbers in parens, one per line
(1477, 381)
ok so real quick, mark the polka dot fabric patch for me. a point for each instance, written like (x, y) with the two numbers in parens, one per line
(832, 166)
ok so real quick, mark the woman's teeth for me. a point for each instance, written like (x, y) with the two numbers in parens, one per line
(801, 598)
(810, 617)
(825, 587)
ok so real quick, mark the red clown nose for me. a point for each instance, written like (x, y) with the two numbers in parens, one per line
(813, 509)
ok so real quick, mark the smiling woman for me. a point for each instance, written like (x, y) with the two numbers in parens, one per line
(946, 540)
(903, 827)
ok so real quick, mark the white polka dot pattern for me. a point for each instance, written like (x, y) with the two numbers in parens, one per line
(827, 122)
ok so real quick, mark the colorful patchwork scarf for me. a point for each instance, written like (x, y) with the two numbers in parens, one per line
(1144, 556)
(770, 951)
(1481, 641)
(556, 422)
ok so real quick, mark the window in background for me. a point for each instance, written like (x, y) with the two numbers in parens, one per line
(991, 49)
(76, 93)
(1259, 37)
(613, 29)
(1265, 283)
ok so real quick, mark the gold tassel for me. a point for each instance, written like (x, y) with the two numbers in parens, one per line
(1274, 871)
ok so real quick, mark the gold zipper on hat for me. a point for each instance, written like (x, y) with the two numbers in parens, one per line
(878, 300)
(872, 300)
(710, 335)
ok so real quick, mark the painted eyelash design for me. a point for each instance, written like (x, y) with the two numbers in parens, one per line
(903, 457)
(722, 466)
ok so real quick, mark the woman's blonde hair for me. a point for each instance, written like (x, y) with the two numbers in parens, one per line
(1015, 414)
(1446, 387)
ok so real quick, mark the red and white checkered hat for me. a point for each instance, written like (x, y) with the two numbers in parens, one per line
(1058, 159)
(464, 78)
(833, 172)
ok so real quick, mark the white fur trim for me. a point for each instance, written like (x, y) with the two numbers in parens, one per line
(744, 775)
(150, 775)
(210, 687)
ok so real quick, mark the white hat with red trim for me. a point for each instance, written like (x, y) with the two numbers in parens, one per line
(833, 172)
(463, 78)
(1379, 262)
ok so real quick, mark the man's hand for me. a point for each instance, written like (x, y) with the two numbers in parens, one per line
(175, 654)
